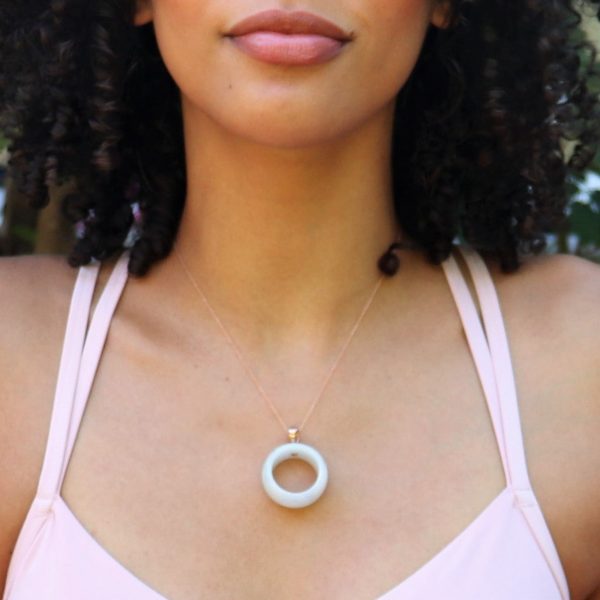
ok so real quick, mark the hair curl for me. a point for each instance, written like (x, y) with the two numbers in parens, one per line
(478, 135)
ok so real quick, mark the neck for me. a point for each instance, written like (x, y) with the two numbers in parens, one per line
(285, 241)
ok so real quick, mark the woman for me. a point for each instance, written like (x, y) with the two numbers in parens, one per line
(258, 183)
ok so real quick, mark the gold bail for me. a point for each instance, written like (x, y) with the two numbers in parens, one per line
(294, 434)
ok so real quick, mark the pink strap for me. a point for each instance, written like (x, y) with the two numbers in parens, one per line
(501, 361)
(79, 362)
(479, 350)
(490, 351)
(67, 378)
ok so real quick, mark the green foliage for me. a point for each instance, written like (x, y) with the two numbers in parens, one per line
(24, 234)
(585, 220)
(583, 234)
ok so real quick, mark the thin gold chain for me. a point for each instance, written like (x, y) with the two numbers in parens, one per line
(249, 370)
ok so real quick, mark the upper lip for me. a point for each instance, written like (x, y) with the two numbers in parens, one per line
(281, 21)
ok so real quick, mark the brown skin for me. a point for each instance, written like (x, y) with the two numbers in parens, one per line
(289, 205)
(165, 470)
(275, 155)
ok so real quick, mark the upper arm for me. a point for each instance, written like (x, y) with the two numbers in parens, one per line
(34, 297)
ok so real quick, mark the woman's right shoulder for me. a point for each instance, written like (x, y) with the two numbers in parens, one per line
(22, 274)
(34, 295)
(35, 292)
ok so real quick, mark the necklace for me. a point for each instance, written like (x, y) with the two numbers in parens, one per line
(293, 448)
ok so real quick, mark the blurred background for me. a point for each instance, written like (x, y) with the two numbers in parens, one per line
(24, 230)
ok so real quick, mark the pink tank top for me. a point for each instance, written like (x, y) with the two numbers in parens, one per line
(505, 553)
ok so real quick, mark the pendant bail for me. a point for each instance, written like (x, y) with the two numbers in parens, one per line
(294, 434)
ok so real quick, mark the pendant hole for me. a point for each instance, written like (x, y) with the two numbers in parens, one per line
(294, 475)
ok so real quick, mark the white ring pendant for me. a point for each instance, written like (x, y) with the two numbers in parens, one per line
(294, 449)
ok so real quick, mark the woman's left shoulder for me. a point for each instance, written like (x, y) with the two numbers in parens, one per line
(558, 292)
(581, 273)
(551, 308)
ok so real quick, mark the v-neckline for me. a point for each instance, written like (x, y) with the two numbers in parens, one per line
(388, 595)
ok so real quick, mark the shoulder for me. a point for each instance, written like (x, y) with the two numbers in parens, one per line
(23, 277)
(564, 273)
(551, 307)
(34, 300)
(34, 294)
(558, 296)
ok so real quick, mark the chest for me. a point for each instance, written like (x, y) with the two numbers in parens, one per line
(166, 476)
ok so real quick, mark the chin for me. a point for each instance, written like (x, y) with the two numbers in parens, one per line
(290, 131)
(287, 138)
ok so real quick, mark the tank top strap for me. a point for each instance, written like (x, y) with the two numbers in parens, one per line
(82, 348)
(511, 439)
(480, 352)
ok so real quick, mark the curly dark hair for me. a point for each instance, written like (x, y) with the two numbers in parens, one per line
(478, 146)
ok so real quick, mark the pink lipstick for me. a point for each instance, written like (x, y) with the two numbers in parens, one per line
(289, 38)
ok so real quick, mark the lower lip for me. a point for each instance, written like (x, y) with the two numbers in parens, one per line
(284, 49)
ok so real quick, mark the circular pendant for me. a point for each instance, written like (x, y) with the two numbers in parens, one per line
(288, 451)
